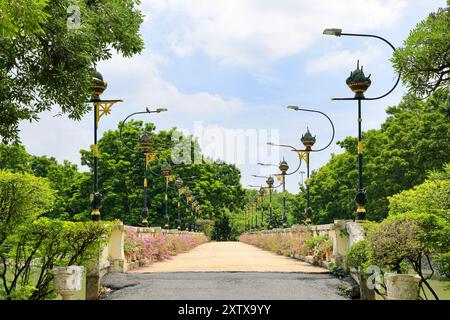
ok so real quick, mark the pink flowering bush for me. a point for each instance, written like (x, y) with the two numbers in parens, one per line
(289, 244)
(159, 247)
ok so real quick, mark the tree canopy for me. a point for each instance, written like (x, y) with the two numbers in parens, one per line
(47, 59)
(424, 59)
(412, 141)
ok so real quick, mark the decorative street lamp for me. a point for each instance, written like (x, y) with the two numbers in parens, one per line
(259, 197)
(359, 83)
(179, 186)
(144, 143)
(101, 108)
(308, 140)
(181, 190)
(165, 170)
(269, 183)
(283, 168)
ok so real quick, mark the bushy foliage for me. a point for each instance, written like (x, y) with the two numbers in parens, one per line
(30, 253)
(424, 59)
(59, 71)
(23, 198)
(158, 247)
(411, 142)
(298, 242)
(358, 255)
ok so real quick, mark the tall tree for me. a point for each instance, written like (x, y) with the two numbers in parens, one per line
(424, 60)
(216, 186)
(49, 49)
(412, 141)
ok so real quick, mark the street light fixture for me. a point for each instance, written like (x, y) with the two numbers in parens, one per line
(359, 83)
(165, 170)
(269, 183)
(308, 141)
(144, 143)
(101, 108)
(283, 167)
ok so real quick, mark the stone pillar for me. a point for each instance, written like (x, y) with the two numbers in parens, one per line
(402, 286)
(93, 278)
(68, 280)
(355, 232)
(116, 248)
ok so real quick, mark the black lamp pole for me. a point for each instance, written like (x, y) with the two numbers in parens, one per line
(261, 195)
(308, 141)
(359, 83)
(165, 169)
(101, 108)
(179, 185)
(144, 142)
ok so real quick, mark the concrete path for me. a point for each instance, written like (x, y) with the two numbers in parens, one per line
(230, 257)
(225, 271)
(222, 286)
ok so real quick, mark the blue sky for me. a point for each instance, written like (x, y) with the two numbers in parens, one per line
(229, 68)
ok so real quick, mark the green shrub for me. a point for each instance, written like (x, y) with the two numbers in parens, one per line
(313, 242)
(35, 249)
(23, 198)
(358, 255)
(443, 264)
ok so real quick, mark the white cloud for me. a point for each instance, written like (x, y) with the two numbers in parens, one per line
(248, 32)
(58, 137)
(141, 74)
(139, 83)
(342, 60)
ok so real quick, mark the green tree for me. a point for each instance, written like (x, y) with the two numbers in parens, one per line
(412, 141)
(45, 62)
(23, 198)
(216, 186)
(424, 60)
(71, 187)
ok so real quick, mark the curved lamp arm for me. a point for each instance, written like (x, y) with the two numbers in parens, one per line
(130, 115)
(274, 165)
(316, 111)
(338, 33)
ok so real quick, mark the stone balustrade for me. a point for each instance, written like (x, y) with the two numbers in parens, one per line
(112, 256)
(343, 233)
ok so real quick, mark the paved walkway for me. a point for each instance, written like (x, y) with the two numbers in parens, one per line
(228, 271)
(230, 257)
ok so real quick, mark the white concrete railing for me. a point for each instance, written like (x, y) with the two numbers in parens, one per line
(343, 233)
(112, 256)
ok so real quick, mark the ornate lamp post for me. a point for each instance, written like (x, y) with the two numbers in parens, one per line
(270, 186)
(144, 143)
(165, 170)
(359, 83)
(270, 182)
(179, 186)
(261, 198)
(188, 196)
(308, 141)
(101, 108)
(283, 168)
